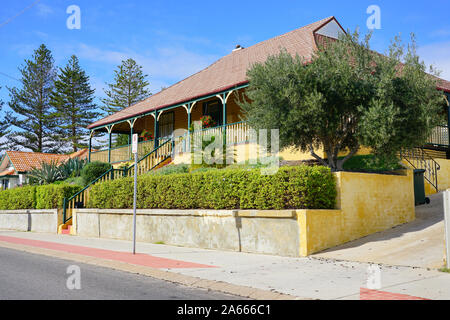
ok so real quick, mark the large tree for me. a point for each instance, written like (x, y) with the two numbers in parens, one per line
(73, 100)
(3, 129)
(346, 96)
(31, 104)
(129, 87)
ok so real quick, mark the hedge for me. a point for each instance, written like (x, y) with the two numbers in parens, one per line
(300, 187)
(52, 196)
(36, 197)
(18, 198)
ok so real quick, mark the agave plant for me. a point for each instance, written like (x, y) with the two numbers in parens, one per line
(72, 168)
(46, 174)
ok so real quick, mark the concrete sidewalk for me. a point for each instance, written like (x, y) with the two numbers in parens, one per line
(420, 243)
(257, 276)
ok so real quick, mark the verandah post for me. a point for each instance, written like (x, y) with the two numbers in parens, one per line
(156, 129)
(90, 146)
(109, 144)
(224, 116)
(187, 142)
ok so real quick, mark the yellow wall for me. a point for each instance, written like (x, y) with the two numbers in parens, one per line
(443, 174)
(366, 204)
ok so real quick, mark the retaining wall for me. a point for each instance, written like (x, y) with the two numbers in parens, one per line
(45, 221)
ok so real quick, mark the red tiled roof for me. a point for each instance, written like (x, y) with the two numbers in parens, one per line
(228, 72)
(81, 154)
(26, 161)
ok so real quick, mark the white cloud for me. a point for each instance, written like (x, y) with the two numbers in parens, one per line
(437, 54)
(162, 64)
(44, 10)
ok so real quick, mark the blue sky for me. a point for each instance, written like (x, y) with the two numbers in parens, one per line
(173, 39)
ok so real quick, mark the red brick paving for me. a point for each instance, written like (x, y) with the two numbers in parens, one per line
(369, 294)
(138, 259)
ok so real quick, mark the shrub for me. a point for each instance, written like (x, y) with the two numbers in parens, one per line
(94, 170)
(37, 197)
(18, 198)
(291, 188)
(371, 163)
(79, 181)
(171, 169)
(72, 168)
(52, 196)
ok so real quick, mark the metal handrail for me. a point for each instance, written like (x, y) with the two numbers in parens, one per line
(65, 219)
(111, 171)
(418, 158)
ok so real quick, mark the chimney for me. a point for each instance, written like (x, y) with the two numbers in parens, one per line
(238, 47)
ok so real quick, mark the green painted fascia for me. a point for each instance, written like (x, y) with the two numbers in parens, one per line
(6, 156)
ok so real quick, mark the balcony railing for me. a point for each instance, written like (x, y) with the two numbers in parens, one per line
(123, 153)
(439, 137)
(235, 133)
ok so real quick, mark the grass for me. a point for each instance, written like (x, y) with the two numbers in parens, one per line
(446, 270)
(160, 242)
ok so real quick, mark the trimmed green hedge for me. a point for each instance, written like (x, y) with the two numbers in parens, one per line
(18, 198)
(37, 197)
(291, 188)
(52, 196)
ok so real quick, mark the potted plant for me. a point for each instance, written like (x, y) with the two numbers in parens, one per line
(146, 135)
(207, 122)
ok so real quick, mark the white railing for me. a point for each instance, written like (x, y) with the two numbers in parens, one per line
(235, 133)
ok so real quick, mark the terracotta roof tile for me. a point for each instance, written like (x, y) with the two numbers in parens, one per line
(26, 161)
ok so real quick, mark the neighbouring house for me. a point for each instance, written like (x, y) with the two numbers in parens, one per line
(14, 165)
(213, 92)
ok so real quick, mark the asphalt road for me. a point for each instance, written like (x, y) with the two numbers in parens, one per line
(35, 277)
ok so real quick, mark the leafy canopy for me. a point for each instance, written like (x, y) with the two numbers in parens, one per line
(345, 97)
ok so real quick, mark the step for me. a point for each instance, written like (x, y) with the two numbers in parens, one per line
(67, 230)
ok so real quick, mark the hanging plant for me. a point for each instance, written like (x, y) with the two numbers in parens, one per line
(146, 136)
(207, 122)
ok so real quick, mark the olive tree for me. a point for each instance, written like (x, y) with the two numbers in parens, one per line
(345, 97)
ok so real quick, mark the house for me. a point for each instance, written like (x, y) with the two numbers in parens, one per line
(212, 92)
(14, 165)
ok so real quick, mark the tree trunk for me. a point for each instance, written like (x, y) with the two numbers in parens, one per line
(340, 163)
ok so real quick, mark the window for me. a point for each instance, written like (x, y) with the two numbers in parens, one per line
(166, 124)
(5, 184)
(215, 110)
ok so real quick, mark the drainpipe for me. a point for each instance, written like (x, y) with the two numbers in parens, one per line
(90, 146)
(156, 129)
